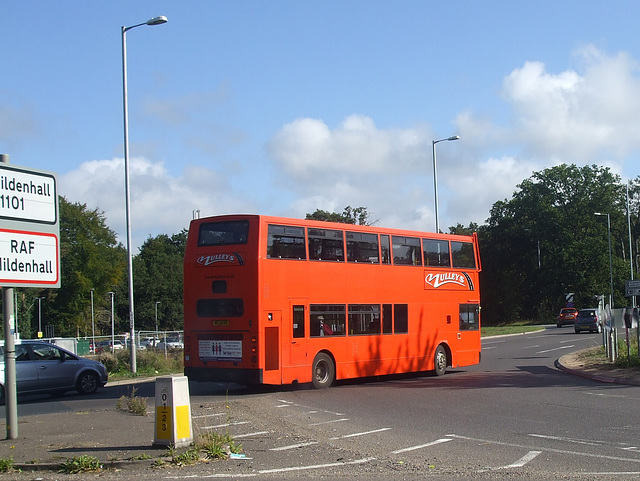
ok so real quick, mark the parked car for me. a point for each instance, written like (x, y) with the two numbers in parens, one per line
(149, 342)
(105, 346)
(171, 343)
(587, 320)
(45, 368)
(567, 316)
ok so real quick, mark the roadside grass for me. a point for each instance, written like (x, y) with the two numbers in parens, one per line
(80, 464)
(148, 363)
(133, 404)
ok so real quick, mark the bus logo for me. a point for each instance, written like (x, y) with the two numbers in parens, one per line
(233, 259)
(447, 280)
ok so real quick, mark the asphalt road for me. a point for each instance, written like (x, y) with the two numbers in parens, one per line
(514, 416)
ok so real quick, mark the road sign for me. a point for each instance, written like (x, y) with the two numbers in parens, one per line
(632, 288)
(27, 195)
(29, 228)
(28, 257)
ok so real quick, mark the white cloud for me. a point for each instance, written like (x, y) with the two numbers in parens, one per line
(160, 203)
(582, 116)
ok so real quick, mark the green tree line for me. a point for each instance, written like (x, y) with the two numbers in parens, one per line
(542, 243)
(93, 273)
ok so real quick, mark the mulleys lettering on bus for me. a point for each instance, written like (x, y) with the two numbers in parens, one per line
(212, 259)
(437, 280)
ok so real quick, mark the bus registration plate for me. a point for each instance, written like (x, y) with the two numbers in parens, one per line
(219, 350)
(220, 323)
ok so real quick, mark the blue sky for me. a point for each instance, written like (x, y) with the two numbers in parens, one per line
(284, 107)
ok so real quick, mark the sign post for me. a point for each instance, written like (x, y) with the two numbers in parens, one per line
(29, 254)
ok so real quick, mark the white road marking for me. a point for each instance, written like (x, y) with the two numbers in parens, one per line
(530, 456)
(360, 434)
(248, 435)
(568, 440)
(329, 422)
(551, 450)
(555, 349)
(314, 466)
(413, 448)
(294, 446)
(225, 425)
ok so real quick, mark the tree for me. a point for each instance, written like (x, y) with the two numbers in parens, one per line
(159, 278)
(90, 258)
(350, 215)
(546, 241)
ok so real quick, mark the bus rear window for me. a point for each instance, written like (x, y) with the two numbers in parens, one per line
(220, 308)
(223, 233)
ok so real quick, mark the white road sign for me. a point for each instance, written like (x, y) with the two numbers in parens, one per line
(28, 258)
(632, 288)
(28, 196)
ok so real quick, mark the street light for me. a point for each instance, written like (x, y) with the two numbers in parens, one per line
(112, 322)
(435, 174)
(40, 316)
(610, 261)
(152, 21)
(157, 302)
(93, 329)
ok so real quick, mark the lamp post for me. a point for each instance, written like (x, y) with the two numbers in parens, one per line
(112, 322)
(40, 316)
(435, 174)
(157, 302)
(152, 21)
(93, 328)
(610, 261)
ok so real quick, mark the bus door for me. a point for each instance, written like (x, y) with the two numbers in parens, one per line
(468, 336)
(298, 310)
(272, 359)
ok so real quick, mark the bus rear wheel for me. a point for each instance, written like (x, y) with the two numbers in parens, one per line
(440, 361)
(323, 371)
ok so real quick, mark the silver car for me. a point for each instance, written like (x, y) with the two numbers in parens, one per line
(45, 368)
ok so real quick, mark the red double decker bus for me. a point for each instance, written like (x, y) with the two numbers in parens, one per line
(276, 301)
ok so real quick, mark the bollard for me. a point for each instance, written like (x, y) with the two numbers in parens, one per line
(173, 412)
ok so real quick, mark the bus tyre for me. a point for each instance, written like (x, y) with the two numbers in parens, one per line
(440, 361)
(323, 371)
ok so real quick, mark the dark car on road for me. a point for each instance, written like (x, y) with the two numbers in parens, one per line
(46, 368)
(567, 316)
(587, 320)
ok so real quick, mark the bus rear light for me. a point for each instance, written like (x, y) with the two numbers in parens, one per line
(254, 339)
(254, 359)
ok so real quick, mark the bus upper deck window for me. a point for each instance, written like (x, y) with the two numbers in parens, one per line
(462, 253)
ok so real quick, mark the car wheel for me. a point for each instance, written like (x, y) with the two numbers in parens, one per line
(577, 331)
(323, 372)
(87, 383)
(2, 400)
(440, 361)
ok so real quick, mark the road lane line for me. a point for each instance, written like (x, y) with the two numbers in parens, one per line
(413, 448)
(569, 440)
(248, 435)
(555, 349)
(294, 446)
(530, 456)
(225, 425)
(328, 422)
(551, 450)
(360, 434)
(315, 466)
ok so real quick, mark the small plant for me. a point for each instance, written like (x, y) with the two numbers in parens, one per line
(80, 464)
(6, 465)
(217, 446)
(190, 456)
(133, 404)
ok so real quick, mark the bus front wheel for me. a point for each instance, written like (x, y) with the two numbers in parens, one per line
(323, 371)
(440, 361)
